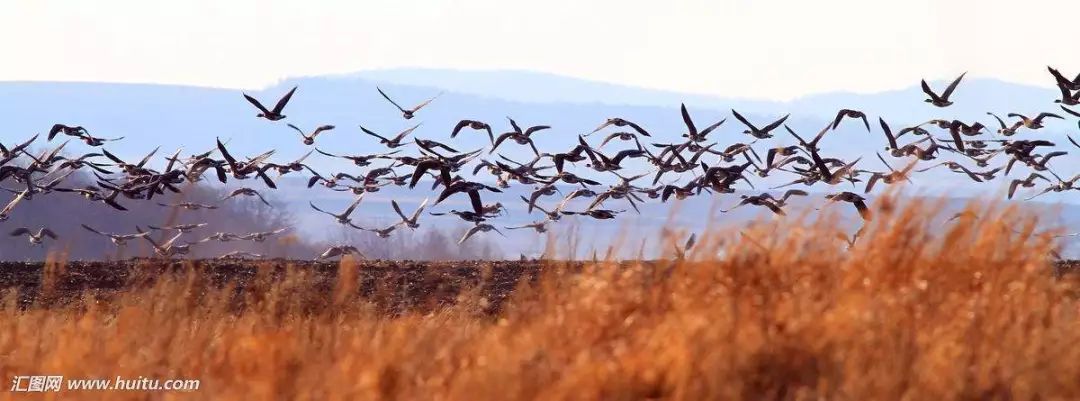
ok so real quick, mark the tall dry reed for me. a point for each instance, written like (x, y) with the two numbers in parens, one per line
(917, 309)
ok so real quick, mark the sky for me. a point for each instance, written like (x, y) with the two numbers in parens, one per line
(764, 49)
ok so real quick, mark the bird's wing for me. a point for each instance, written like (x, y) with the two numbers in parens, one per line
(743, 120)
(317, 208)
(389, 99)
(256, 103)
(397, 209)
(420, 209)
(402, 134)
(460, 125)
(469, 234)
(88, 228)
(369, 132)
(929, 92)
(425, 103)
(776, 123)
(283, 101)
(352, 207)
(949, 90)
(477, 204)
(687, 120)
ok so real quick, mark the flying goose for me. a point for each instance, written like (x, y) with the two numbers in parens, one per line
(521, 137)
(955, 167)
(546, 190)
(7, 155)
(1034, 123)
(275, 114)
(834, 177)
(241, 255)
(1065, 83)
(168, 248)
(1067, 97)
(242, 169)
(262, 235)
(188, 205)
(361, 160)
(394, 142)
(619, 122)
(94, 194)
(411, 221)
(467, 215)
(340, 250)
(760, 133)
(220, 237)
(764, 200)
(95, 141)
(891, 177)
(310, 139)
(381, 233)
(680, 253)
(76, 131)
(479, 228)
(343, 217)
(245, 191)
(850, 114)
(1060, 186)
(540, 226)
(943, 99)
(468, 187)
(473, 124)
(293, 166)
(599, 214)
(409, 113)
(622, 136)
(35, 238)
(692, 134)
(182, 228)
(1004, 129)
(812, 145)
(5, 212)
(855, 199)
(1028, 182)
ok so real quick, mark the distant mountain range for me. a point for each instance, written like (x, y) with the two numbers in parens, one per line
(191, 117)
(974, 98)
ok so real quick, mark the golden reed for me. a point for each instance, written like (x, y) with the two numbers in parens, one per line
(916, 309)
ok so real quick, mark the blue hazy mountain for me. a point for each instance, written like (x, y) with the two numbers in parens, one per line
(191, 117)
(973, 99)
(174, 117)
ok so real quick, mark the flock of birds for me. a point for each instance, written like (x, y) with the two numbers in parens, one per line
(119, 181)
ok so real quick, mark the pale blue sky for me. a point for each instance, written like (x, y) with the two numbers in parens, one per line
(772, 49)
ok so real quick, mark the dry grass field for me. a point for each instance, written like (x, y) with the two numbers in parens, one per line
(973, 309)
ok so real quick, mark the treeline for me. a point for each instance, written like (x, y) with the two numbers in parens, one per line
(64, 213)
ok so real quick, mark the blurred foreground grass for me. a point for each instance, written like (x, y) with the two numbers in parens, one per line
(915, 310)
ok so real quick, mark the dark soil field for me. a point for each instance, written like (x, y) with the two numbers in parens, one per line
(395, 285)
